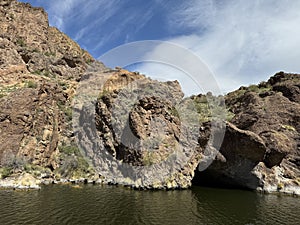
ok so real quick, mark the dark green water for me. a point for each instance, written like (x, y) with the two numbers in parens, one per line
(117, 205)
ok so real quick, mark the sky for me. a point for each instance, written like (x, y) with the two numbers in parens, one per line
(241, 42)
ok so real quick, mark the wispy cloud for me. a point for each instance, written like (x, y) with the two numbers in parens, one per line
(241, 41)
(60, 11)
(98, 23)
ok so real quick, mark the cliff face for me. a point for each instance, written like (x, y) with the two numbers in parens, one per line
(144, 133)
(141, 125)
(39, 71)
(269, 158)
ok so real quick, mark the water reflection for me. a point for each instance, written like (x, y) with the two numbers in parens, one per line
(118, 205)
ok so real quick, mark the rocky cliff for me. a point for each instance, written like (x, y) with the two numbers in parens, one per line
(65, 116)
(261, 147)
(39, 70)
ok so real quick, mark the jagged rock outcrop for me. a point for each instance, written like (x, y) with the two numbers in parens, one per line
(239, 153)
(140, 124)
(39, 71)
(130, 129)
(151, 124)
(269, 114)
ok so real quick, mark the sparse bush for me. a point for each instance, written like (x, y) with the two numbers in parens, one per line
(50, 54)
(73, 164)
(46, 73)
(253, 88)
(63, 84)
(89, 61)
(21, 42)
(67, 110)
(28, 167)
(31, 84)
(37, 72)
(174, 112)
(229, 116)
(261, 88)
(5, 172)
(103, 93)
(149, 158)
(69, 113)
(69, 149)
(9, 160)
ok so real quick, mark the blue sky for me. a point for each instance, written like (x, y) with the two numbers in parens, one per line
(242, 42)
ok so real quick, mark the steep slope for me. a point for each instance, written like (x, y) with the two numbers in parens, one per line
(39, 71)
(65, 116)
(269, 113)
(40, 74)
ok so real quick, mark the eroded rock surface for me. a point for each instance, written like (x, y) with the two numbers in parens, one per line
(144, 133)
(39, 71)
(140, 123)
(261, 150)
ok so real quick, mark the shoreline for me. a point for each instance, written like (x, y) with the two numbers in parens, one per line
(28, 182)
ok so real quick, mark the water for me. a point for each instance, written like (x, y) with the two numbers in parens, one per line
(88, 204)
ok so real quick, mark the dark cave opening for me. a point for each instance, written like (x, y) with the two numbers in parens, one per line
(211, 178)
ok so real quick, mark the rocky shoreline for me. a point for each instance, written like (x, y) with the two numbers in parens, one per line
(139, 132)
(28, 182)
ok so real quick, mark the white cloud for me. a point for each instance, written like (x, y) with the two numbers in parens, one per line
(131, 23)
(60, 11)
(63, 13)
(241, 41)
(97, 23)
(165, 61)
(164, 72)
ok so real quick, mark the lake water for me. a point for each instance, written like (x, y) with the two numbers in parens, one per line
(88, 204)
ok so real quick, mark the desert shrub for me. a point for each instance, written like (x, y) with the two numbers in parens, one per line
(5, 172)
(68, 112)
(45, 73)
(69, 149)
(261, 88)
(48, 54)
(11, 16)
(73, 164)
(89, 61)
(253, 88)
(31, 84)
(37, 72)
(149, 158)
(21, 42)
(65, 109)
(174, 112)
(63, 84)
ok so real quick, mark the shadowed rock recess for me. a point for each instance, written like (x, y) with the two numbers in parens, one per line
(137, 121)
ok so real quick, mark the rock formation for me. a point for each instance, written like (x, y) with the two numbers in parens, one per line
(39, 71)
(63, 115)
(136, 133)
(261, 150)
